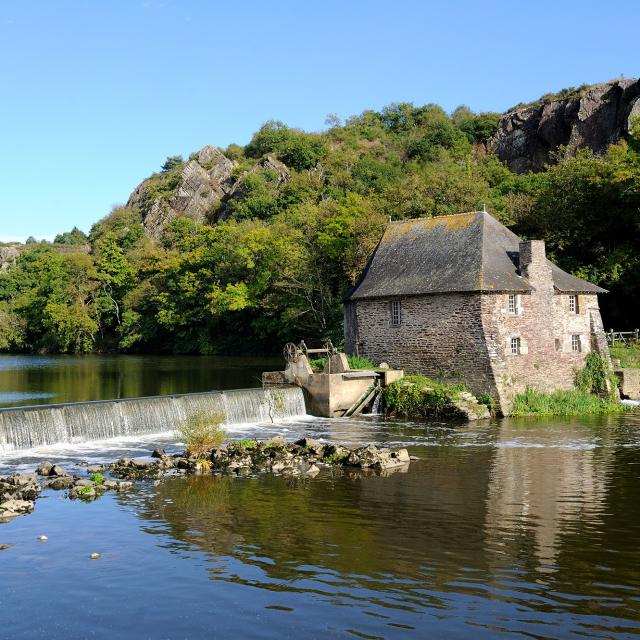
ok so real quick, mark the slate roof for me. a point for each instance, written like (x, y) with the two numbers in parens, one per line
(458, 253)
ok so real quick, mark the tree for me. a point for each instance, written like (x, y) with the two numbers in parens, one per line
(171, 163)
(73, 237)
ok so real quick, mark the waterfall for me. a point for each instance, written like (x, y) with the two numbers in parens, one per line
(29, 427)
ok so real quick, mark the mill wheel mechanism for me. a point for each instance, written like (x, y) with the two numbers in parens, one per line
(290, 352)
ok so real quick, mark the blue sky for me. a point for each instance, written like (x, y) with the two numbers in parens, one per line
(95, 94)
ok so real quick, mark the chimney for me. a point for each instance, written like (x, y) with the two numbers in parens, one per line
(533, 263)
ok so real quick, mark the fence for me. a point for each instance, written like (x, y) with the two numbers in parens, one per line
(622, 337)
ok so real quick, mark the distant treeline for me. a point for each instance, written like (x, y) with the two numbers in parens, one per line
(279, 264)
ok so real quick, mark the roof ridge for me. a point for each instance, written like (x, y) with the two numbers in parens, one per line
(446, 215)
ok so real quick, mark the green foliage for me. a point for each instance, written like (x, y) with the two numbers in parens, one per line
(97, 478)
(83, 491)
(73, 237)
(317, 364)
(171, 163)
(246, 443)
(628, 354)
(336, 458)
(596, 376)
(201, 433)
(563, 403)
(280, 254)
(419, 396)
(489, 402)
(360, 362)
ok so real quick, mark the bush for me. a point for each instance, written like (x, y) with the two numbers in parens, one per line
(420, 396)
(97, 478)
(596, 377)
(202, 432)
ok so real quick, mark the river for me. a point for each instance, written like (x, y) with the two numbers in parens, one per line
(504, 529)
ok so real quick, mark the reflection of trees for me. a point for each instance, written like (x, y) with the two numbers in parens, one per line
(72, 378)
(420, 526)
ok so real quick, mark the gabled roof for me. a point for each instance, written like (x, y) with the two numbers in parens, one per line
(458, 253)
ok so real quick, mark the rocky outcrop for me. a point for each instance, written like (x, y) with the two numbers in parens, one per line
(593, 117)
(8, 255)
(192, 189)
(276, 173)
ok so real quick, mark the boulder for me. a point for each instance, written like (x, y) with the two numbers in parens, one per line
(95, 468)
(44, 469)
(14, 507)
(57, 470)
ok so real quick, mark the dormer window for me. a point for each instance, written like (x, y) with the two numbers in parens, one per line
(573, 303)
(514, 303)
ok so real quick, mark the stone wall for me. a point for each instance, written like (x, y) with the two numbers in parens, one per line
(467, 338)
(440, 335)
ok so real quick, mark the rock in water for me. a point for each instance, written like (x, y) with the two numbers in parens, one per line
(94, 555)
(44, 469)
(43, 538)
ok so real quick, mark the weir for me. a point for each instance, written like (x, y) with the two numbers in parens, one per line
(74, 422)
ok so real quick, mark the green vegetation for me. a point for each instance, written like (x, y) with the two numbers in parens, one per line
(97, 478)
(246, 443)
(279, 261)
(596, 378)
(201, 433)
(417, 395)
(563, 403)
(83, 491)
(355, 362)
(628, 354)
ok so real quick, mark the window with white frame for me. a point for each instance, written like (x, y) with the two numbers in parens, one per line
(396, 313)
(576, 344)
(514, 303)
(573, 303)
(515, 346)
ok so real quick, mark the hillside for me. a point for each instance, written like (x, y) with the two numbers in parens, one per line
(244, 248)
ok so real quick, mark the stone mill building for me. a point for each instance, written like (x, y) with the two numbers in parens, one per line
(462, 298)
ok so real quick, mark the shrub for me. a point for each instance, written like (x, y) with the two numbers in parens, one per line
(97, 478)
(418, 395)
(628, 354)
(202, 432)
(596, 376)
(317, 363)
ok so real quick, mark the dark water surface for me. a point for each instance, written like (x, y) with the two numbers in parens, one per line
(508, 529)
(27, 380)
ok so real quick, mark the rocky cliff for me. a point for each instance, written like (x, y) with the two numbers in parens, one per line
(192, 189)
(591, 117)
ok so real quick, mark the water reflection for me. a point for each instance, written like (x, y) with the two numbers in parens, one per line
(38, 379)
(532, 530)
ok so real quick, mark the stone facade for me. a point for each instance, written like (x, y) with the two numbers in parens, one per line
(470, 336)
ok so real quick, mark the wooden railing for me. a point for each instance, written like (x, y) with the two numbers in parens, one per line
(622, 337)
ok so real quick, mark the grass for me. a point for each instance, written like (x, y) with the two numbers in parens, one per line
(355, 362)
(246, 443)
(202, 432)
(629, 355)
(562, 403)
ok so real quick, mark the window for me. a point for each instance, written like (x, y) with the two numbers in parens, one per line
(576, 344)
(515, 346)
(395, 313)
(514, 303)
(573, 303)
